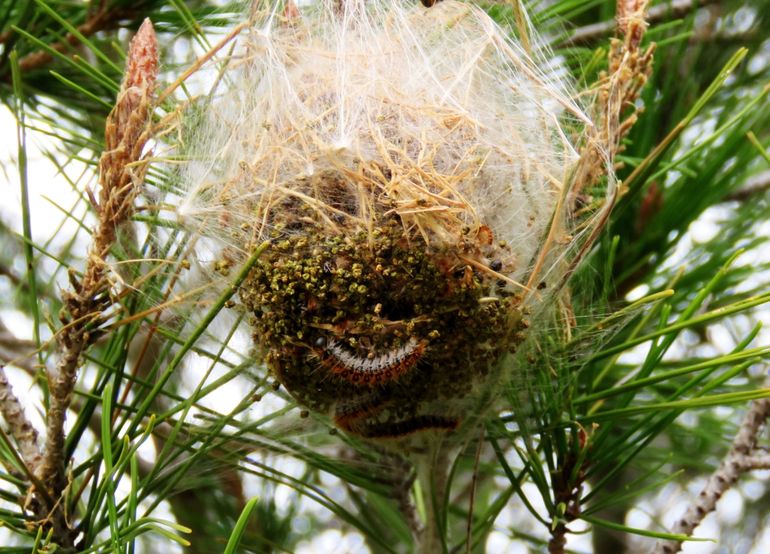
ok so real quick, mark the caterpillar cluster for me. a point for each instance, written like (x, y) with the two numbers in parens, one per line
(359, 415)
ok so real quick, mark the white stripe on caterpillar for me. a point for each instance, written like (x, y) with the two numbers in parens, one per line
(365, 370)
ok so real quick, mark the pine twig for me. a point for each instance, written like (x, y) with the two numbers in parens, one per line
(433, 475)
(740, 459)
(401, 493)
(120, 176)
(662, 12)
(567, 485)
(102, 19)
(617, 91)
(472, 498)
(23, 432)
(628, 70)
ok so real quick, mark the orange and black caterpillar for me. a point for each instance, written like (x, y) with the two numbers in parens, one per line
(348, 414)
(358, 417)
(397, 429)
(371, 370)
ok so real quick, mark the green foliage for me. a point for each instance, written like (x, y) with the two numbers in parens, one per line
(592, 424)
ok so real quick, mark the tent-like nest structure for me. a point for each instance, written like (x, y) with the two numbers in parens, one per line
(409, 167)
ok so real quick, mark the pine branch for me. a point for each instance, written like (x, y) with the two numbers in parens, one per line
(740, 459)
(629, 68)
(589, 34)
(617, 91)
(23, 432)
(120, 179)
(89, 301)
(433, 475)
(104, 19)
(567, 484)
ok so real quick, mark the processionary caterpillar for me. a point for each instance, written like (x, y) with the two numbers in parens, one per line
(396, 429)
(348, 413)
(358, 416)
(372, 370)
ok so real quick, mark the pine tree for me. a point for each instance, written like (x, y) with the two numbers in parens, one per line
(139, 417)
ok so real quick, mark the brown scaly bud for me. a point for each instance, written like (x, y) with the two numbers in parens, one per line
(137, 87)
(125, 132)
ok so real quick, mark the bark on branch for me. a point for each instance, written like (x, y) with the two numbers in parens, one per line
(741, 458)
(23, 432)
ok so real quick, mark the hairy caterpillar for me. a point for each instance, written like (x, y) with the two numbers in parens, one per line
(359, 417)
(349, 413)
(402, 428)
(372, 370)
